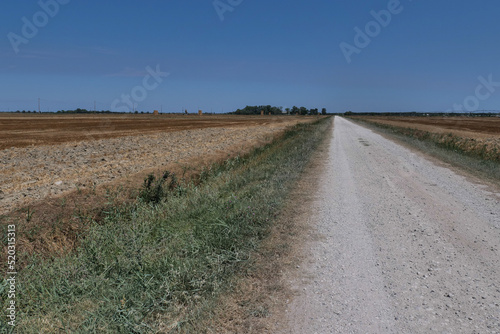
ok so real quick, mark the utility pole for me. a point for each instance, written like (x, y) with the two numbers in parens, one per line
(94, 105)
(38, 105)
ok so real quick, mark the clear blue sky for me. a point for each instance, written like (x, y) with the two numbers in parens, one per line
(283, 53)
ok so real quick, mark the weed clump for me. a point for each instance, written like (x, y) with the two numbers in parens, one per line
(155, 189)
(150, 266)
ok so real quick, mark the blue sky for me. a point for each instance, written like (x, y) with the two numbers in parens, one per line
(427, 58)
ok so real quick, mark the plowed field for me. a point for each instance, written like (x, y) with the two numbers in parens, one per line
(475, 126)
(47, 155)
(43, 129)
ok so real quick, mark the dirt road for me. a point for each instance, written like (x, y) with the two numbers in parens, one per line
(399, 244)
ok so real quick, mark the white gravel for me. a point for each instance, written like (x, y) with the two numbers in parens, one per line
(398, 245)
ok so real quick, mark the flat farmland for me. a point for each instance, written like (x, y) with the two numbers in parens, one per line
(41, 129)
(478, 136)
(477, 126)
(43, 156)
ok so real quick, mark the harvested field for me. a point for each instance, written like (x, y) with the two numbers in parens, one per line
(476, 126)
(44, 129)
(53, 155)
(479, 136)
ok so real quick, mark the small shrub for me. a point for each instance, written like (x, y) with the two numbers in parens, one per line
(154, 189)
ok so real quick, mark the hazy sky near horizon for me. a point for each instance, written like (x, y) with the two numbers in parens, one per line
(403, 55)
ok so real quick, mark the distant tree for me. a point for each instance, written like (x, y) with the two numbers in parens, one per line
(303, 111)
(295, 110)
(323, 111)
(287, 110)
(275, 110)
(18, 111)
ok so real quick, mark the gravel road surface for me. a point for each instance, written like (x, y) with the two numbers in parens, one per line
(398, 245)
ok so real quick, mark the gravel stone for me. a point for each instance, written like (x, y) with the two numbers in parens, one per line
(399, 244)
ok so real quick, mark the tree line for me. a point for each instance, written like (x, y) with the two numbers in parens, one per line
(267, 109)
(83, 111)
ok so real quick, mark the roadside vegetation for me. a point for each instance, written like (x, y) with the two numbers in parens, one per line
(473, 155)
(154, 265)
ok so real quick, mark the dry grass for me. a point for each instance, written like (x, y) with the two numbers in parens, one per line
(51, 227)
(475, 127)
(147, 267)
(470, 163)
(257, 301)
(479, 136)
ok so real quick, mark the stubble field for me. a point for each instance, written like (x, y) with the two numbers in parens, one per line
(21, 130)
(48, 155)
(479, 136)
(484, 126)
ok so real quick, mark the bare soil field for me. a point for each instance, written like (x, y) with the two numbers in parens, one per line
(45, 129)
(475, 135)
(48, 155)
(479, 127)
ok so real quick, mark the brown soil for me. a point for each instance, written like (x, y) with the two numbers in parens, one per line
(52, 192)
(42, 129)
(479, 136)
(474, 127)
(35, 172)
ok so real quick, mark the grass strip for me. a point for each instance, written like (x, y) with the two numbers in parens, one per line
(148, 267)
(465, 153)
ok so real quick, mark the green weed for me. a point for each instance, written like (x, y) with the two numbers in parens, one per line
(152, 266)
